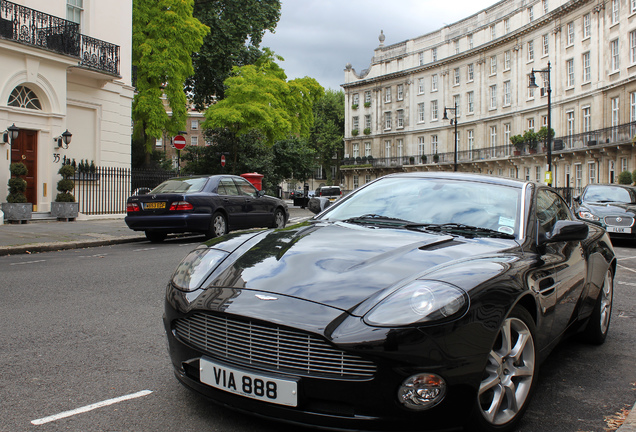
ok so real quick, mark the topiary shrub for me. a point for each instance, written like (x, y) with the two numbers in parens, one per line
(17, 185)
(625, 178)
(66, 185)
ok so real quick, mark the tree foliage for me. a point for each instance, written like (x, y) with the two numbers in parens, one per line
(259, 97)
(236, 31)
(327, 135)
(165, 35)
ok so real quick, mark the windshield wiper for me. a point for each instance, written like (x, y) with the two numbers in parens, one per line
(458, 228)
(377, 219)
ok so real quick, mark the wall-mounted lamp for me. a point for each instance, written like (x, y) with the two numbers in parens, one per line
(453, 122)
(63, 140)
(10, 134)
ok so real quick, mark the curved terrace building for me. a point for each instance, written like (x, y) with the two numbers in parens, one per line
(469, 82)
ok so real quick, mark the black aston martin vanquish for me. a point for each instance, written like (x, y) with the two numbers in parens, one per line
(426, 301)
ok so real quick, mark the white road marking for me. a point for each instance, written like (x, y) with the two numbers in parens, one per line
(90, 407)
(27, 262)
(627, 268)
(144, 249)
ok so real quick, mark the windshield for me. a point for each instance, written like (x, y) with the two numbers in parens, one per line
(607, 194)
(435, 201)
(181, 185)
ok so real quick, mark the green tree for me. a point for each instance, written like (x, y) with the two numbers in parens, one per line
(165, 35)
(294, 158)
(327, 135)
(625, 178)
(236, 31)
(260, 98)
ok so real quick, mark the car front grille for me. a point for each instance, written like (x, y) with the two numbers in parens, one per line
(270, 347)
(619, 221)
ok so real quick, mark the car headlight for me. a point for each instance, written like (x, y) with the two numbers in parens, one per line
(587, 215)
(196, 266)
(421, 301)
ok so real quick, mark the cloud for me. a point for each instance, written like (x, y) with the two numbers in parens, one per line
(317, 38)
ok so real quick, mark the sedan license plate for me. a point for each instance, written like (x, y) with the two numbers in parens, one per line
(154, 205)
(619, 230)
(248, 384)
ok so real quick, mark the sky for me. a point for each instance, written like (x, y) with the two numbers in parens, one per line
(317, 38)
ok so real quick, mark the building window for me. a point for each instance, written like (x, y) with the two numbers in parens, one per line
(530, 92)
(493, 136)
(507, 93)
(569, 72)
(530, 51)
(367, 121)
(531, 124)
(493, 96)
(74, 10)
(587, 26)
(471, 41)
(387, 148)
(387, 120)
(24, 97)
(569, 123)
(434, 144)
(591, 172)
(356, 181)
(194, 140)
(507, 132)
(400, 147)
(434, 54)
(420, 112)
(624, 164)
(537, 173)
(615, 11)
(194, 124)
(400, 119)
(578, 176)
(400, 92)
(633, 5)
(420, 86)
(457, 46)
(434, 110)
(159, 142)
(615, 55)
(587, 119)
(615, 111)
(545, 44)
(570, 34)
(355, 123)
(356, 150)
(421, 146)
(387, 94)
(367, 178)
(507, 25)
(456, 76)
(367, 149)
(506, 60)
(434, 83)
(493, 32)
(530, 14)
(632, 46)
(470, 72)
(471, 102)
(457, 101)
(587, 71)
(356, 99)
(493, 65)
(421, 58)
(544, 3)
(470, 141)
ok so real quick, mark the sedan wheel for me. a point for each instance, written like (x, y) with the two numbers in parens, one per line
(218, 226)
(279, 219)
(596, 330)
(509, 376)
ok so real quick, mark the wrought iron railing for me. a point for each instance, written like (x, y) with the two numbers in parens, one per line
(612, 135)
(31, 27)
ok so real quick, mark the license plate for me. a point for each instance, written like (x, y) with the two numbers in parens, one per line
(619, 230)
(248, 384)
(154, 205)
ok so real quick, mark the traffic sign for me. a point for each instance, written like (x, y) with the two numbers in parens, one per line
(222, 160)
(179, 142)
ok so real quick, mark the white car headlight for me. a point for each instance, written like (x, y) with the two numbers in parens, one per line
(421, 301)
(196, 266)
(587, 215)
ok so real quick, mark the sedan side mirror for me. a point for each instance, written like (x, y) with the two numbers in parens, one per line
(566, 230)
(577, 199)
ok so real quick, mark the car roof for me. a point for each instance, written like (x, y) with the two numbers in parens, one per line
(483, 178)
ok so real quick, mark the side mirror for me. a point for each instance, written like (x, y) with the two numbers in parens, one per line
(577, 199)
(565, 230)
(260, 193)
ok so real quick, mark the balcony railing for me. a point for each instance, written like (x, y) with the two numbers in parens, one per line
(31, 27)
(612, 135)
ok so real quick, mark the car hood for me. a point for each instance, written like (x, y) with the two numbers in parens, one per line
(341, 264)
(605, 209)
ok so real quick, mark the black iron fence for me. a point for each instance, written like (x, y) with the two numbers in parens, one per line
(104, 190)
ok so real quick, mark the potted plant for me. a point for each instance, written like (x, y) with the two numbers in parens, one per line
(65, 207)
(435, 158)
(354, 106)
(367, 104)
(530, 137)
(354, 132)
(412, 160)
(17, 209)
(517, 142)
(424, 158)
(542, 135)
(367, 131)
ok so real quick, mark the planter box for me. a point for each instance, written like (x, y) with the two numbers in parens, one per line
(17, 212)
(66, 211)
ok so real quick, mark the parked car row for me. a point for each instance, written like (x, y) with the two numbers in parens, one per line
(612, 207)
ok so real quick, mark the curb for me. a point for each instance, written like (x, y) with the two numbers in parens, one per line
(630, 422)
(57, 246)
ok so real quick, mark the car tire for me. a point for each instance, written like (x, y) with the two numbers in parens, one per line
(218, 226)
(279, 219)
(509, 376)
(596, 330)
(155, 237)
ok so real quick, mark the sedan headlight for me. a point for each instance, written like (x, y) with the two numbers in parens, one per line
(587, 215)
(421, 301)
(196, 266)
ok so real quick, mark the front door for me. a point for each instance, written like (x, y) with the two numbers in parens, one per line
(25, 149)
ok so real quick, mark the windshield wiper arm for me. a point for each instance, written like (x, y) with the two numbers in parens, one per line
(460, 229)
(376, 218)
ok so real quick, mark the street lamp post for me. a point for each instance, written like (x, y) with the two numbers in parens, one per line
(532, 84)
(453, 122)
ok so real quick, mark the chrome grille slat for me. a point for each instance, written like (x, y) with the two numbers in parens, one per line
(272, 348)
(619, 221)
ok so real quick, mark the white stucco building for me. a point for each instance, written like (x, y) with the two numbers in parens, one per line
(64, 65)
(481, 64)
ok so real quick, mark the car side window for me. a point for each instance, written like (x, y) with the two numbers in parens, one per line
(245, 187)
(550, 209)
(227, 187)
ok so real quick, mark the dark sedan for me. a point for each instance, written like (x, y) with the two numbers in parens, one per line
(426, 301)
(611, 206)
(209, 205)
